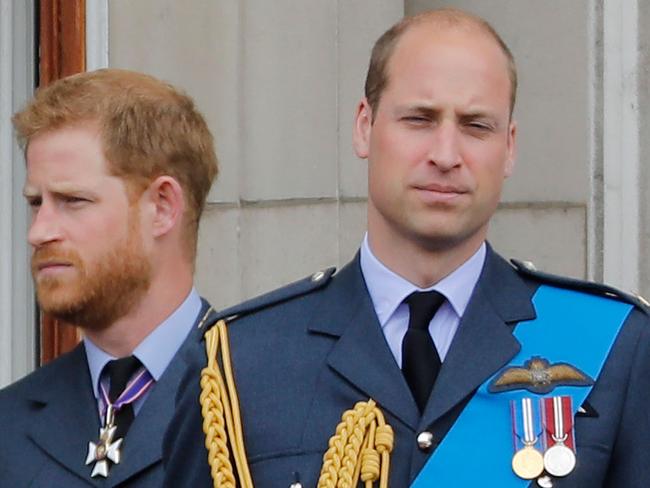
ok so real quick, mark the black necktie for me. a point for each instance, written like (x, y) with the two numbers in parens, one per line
(420, 360)
(120, 371)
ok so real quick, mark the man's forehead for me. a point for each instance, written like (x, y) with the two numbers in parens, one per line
(65, 146)
(425, 50)
(67, 136)
(427, 34)
(68, 160)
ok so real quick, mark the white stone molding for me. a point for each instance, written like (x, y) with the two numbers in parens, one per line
(97, 28)
(18, 326)
(621, 219)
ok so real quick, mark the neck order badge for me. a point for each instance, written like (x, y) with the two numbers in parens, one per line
(107, 448)
(578, 318)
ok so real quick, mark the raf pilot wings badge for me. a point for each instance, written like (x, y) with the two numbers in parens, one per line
(538, 375)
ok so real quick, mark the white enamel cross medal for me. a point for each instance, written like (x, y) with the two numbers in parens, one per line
(105, 449)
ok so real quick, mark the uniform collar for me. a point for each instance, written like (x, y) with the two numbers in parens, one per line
(388, 290)
(156, 351)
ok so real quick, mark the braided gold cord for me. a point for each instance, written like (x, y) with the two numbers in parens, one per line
(231, 403)
(221, 417)
(360, 447)
(359, 450)
(216, 439)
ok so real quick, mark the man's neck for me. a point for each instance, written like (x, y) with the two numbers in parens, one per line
(125, 334)
(421, 265)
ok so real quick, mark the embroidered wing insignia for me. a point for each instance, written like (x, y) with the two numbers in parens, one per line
(538, 375)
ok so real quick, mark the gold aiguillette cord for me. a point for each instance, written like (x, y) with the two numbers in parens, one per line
(359, 449)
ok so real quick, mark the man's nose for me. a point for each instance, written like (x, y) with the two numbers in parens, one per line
(445, 146)
(45, 225)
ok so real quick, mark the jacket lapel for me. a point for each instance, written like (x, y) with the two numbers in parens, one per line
(484, 342)
(66, 416)
(361, 354)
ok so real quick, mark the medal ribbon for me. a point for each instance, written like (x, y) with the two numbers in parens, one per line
(558, 418)
(571, 326)
(135, 388)
(526, 423)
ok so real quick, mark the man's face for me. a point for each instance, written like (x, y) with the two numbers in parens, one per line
(88, 262)
(441, 142)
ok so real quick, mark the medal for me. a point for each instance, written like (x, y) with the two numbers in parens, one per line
(559, 458)
(528, 461)
(105, 449)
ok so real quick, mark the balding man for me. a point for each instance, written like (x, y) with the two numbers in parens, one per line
(428, 360)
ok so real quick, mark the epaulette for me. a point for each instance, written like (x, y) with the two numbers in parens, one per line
(528, 269)
(293, 290)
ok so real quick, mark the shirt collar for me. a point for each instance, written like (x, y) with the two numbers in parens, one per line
(388, 290)
(156, 351)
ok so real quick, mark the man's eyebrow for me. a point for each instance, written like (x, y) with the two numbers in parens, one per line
(56, 188)
(64, 187)
(30, 192)
(476, 114)
(420, 107)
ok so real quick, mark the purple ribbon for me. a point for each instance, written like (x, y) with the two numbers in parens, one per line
(135, 389)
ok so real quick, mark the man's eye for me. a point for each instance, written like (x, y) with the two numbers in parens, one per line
(416, 119)
(74, 200)
(34, 202)
(479, 126)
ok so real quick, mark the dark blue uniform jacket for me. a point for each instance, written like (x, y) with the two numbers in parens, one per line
(48, 418)
(304, 354)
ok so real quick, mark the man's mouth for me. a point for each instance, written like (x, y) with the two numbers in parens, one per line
(435, 192)
(439, 188)
(51, 267)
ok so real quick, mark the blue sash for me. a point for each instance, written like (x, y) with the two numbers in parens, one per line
(572, 327)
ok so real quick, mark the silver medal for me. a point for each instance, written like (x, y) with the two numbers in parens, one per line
(559, 460)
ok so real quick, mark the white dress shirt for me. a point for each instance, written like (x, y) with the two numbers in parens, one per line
(388, 291)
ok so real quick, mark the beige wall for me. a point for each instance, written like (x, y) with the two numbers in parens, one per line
(278, 82)
(18, 332)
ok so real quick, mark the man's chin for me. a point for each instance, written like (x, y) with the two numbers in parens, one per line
(443, 239)
(82, 317)
(63, 305)
(81, 308)
(70, 313)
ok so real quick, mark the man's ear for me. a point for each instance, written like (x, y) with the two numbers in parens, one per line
(512, 149)
(166, 201)
(362, 129)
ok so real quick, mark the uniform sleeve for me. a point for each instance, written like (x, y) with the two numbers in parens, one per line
(630, 463)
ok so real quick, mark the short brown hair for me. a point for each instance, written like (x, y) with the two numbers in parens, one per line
(148, 129)
(377, 77)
